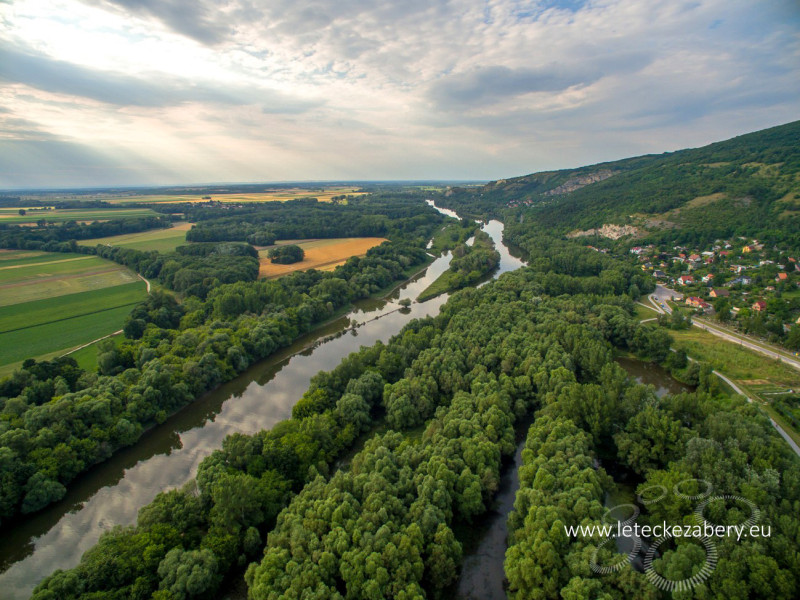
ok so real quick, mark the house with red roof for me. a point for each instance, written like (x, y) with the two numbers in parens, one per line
(697, 302)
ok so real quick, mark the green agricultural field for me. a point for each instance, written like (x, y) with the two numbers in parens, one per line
(16, 317)
(162, 240)
(34, 342)
(51, 303)
(15, 258)
(59, 277)
(60, 215)
(59, 265)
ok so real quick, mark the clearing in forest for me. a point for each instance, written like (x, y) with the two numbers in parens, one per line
(161, 240)
(324, 255)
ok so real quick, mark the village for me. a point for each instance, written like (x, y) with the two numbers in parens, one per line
(741, 282)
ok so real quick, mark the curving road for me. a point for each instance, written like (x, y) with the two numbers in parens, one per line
(658, 300)
(739, 390)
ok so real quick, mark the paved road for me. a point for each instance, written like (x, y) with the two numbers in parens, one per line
(739, 390)
(736, 339)
(660, 296)
(658, 300)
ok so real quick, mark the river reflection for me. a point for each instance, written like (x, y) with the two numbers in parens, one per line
(649, 373)
(167, 456)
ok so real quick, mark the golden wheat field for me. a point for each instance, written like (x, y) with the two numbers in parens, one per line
(324, 255)
(278, 195)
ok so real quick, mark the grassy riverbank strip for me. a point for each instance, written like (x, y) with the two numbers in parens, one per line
(469, 265)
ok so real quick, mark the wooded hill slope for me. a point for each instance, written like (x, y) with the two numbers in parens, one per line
(748, 185)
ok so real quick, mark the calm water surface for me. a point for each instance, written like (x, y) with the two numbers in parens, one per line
(482, 575)
(167, 456)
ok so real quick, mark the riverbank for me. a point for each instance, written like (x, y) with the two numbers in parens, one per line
(167, 455)
(470, 264)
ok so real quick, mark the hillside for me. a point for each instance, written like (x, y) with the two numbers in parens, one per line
(748, 185)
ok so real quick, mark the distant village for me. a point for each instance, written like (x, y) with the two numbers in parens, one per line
(739, 281)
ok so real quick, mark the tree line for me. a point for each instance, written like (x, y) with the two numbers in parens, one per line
(468, 265)
(465, 376)
(56, 421)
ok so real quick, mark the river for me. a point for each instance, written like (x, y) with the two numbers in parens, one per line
(168, 455)
(482, 574)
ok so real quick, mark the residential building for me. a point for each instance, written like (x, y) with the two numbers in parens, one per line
(697, 302)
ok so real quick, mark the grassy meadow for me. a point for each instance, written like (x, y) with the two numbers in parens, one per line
(51, 303)
(759, 376)
(59, 215)
(161, 240)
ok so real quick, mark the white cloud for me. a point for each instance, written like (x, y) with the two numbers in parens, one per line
(256, 90)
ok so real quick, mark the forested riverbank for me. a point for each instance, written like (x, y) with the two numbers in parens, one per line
(536, 343)
(56, 420)
(52, 535)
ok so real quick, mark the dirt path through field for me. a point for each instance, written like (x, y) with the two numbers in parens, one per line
(49, 262)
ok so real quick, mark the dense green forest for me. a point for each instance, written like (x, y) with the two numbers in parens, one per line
(52, 238)
(749, 185)
(378, 215)
(56, 420)
(451, 389)
(286, 255)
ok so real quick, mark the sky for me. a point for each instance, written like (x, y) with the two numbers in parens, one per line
(98, 93)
